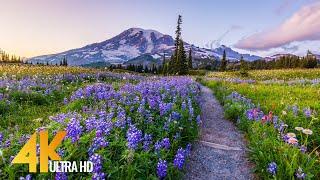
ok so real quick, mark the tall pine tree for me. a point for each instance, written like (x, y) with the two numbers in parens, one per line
(175, 64)
(223, 61)
(190, 59)
(182, 60)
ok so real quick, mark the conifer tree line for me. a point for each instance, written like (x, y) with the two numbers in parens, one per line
(63, 62)
(283, 62)
(292, 61)
(153, 69)
(7, 58)
(308, 61)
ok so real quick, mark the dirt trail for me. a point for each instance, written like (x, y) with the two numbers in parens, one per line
(220, 152)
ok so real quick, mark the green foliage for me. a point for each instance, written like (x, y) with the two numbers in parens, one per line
(190, 59)
(223, 65)
(232, 111)
(243, 67)
(278, 74)
(32, 98)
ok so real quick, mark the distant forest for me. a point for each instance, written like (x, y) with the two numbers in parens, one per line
(289, 61)
(9, 58)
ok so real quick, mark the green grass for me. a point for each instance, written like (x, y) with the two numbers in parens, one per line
(280, 74)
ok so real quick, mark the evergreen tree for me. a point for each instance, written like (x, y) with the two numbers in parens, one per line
(223, 65)
(174, 65)
(182, 60)
(243, 67)
(164, 69)
(190, 59)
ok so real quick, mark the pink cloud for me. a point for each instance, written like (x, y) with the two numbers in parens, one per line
(302, 26)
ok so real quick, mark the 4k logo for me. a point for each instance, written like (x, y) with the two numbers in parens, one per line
(28, 154)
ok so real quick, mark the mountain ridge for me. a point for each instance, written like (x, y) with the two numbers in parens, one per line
(133, 43)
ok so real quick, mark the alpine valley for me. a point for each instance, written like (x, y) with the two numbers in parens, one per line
(135, 46)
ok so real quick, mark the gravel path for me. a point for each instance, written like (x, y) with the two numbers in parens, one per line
(220, 151)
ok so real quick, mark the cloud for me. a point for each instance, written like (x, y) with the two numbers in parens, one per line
(302, 26)
(290, 48)
(217, 42)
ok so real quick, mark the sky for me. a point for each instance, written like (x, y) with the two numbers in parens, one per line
(37, 27)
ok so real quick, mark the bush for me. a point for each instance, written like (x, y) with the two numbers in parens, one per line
(32, 98)
(233, 111)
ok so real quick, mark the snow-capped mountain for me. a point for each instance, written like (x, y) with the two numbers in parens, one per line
(132, 43)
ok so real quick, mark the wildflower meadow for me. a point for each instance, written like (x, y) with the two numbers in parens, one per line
(278, 111)
(129, 126)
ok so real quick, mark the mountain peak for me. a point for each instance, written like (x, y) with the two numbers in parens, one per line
(132, 43)
(135, 30)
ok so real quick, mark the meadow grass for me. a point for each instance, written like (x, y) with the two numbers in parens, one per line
(280, 74)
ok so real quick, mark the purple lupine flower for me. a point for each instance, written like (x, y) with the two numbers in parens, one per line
(275, 120)
(1, 137)
(61, 176)
(188, 149)
(98, 142)
(134, 136)
(303, 149)
(272, 168)
(97, 173)
(281, 127)
(28, 177)
(129, 120)
(307, 112)
(7, 143)
(74, 129)
(166, 126)
(60, 118)
(175, 115)
(165, 143)
(295, 110)
(162, 169)
(290, 140)
(61, 152)
(157, 146)
(183, 105)
(104, 127)
(198, 119)
(23, 138)
(147, 141)
(250, 114)
(300, 174)
(165, 108)
(65, 101)
(121, 118)
(90, 123)
(38, 149)
(179, 158)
